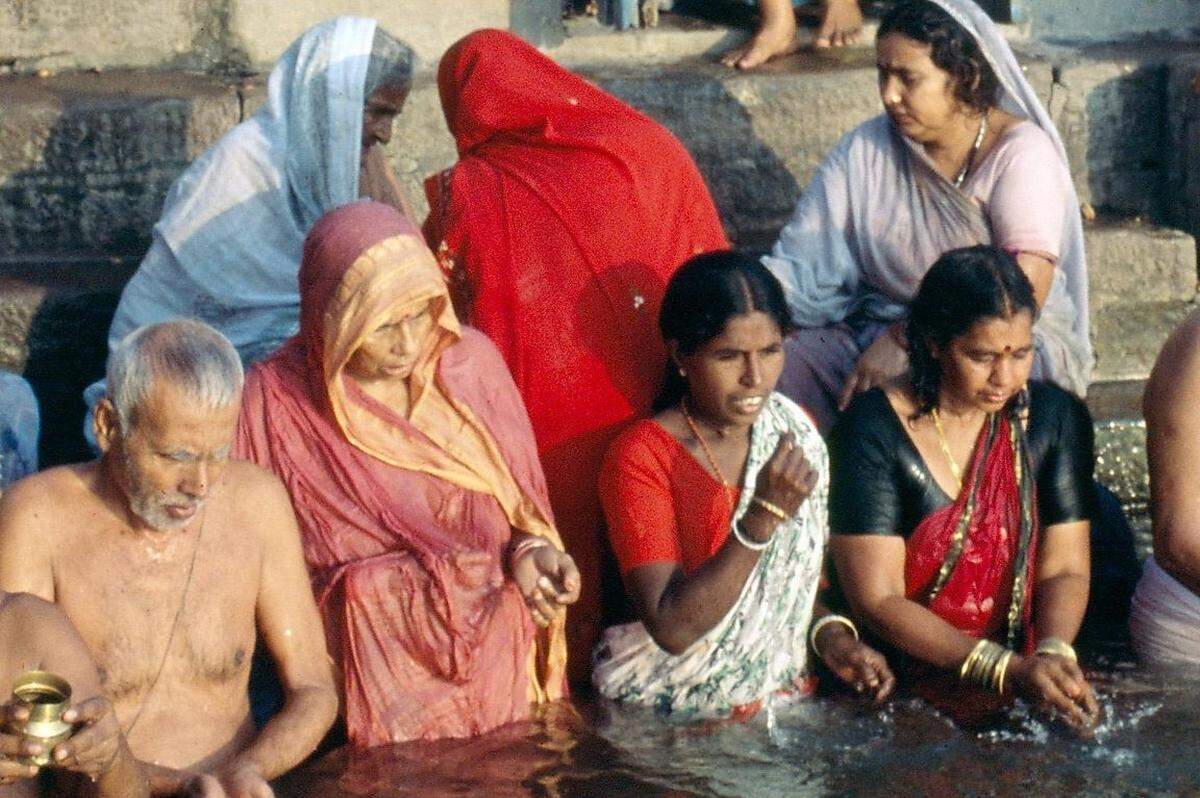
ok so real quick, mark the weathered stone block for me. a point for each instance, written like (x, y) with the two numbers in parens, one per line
(262, 29)
(1109, 105)
(86, 160)
(75, 34)
(54, 318)
(1127, 338)
(1130, 262)
(1100, 20)
(1183, 157)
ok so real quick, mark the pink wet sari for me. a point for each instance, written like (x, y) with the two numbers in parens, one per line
(404, 533)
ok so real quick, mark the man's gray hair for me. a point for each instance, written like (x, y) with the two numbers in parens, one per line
(188, 354)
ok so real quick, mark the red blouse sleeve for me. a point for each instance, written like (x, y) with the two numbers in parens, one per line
(635, 492)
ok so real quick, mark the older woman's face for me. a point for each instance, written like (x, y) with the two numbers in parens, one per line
(380, 111)
(917, 94)
(731, 376)
(391, 350)
(987, 365)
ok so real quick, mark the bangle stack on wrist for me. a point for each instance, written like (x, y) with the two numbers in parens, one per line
(824, 621)
(1057, 646)
(987, 665)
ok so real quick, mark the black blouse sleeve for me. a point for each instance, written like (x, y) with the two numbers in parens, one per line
(1061, 446)
(864, 493)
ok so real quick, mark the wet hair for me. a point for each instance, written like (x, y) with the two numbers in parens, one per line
(190, 355)
(391, 62)
(963, 287)
(952, 49)
(703, 296)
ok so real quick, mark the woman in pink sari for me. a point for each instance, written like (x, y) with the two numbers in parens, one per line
(415, 479)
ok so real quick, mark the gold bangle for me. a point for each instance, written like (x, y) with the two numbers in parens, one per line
(1058, 647)
(773, 509)
(1003, 670)
(824, 621)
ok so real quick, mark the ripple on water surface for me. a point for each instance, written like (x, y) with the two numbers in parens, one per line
(1145, 745)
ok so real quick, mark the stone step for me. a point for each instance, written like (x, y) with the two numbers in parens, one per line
(85, 158)
(54, 319)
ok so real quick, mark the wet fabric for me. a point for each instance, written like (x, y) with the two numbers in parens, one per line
(20, 426)
(1165, 619)
(760, 647)
(561, 223)
(877, 215)
(882, 486)
(406, 518)
(972, 563)
(227, 246)
(661, 504)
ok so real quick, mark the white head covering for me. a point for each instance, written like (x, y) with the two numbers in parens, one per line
(227, 247)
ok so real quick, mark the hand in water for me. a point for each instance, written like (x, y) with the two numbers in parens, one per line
(548, 580)
(854, 662)
(1056, 684)
(883, 361)
(15, 746)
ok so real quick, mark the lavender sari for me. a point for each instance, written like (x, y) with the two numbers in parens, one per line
(875, 218)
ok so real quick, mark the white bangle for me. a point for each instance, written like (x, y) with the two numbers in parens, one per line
(753, 545)
(824, 621)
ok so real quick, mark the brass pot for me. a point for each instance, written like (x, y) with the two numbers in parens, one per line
(47, 696)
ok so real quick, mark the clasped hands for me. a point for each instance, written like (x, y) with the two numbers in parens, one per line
(91, 750)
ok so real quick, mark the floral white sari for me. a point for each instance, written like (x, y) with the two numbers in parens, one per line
(760, 646)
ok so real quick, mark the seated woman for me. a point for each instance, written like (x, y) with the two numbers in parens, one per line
(964, 155)
(1165, 619)
(415, 480)
(227, 246)
(961, 498)
(716, 511)
(559, 226)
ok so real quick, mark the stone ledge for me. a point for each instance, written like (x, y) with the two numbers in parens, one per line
(1130, 261)
(1128, 337)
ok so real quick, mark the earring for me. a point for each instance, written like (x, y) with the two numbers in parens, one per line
(682, 373)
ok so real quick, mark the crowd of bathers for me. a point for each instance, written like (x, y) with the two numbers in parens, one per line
(561, 437)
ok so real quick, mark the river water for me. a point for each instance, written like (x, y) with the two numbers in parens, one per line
(1145, 745)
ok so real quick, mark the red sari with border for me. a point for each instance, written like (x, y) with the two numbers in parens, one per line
(972, 563)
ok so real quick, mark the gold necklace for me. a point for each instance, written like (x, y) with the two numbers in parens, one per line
(712, 461)
(961, 177)
(954, 469)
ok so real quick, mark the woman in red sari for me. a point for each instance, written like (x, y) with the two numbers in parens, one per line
(561, 223)
(961, 498)
(414, 477)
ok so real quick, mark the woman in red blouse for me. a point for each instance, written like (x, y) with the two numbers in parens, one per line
(716, 510)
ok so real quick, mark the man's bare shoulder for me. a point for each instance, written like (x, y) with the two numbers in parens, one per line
(40, 501)
(258, 497)
(1175, 379)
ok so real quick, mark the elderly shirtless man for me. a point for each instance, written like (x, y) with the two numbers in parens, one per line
(168, 557)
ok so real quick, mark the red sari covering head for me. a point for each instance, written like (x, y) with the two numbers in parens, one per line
(405, 519)
(564, 218)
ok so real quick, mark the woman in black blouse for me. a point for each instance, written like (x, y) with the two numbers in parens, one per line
(961, 499)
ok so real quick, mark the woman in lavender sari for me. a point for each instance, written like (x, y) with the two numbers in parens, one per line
(965, 154)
